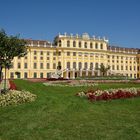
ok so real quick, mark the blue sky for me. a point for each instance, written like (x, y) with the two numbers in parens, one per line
(119, 20)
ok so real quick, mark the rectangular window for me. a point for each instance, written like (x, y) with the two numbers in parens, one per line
(68, 65)
(41, 65)
(25, 65)
(48, 66)
(35, 65)
(41, 53)
(41, 58)
(48, 58)
(35, 75)
(74, 53)
(41, 75)
(48, 75)
(74, 65)
(68, 53)
(18, 75)
(11, 75)
(59, 53)
(25, 75)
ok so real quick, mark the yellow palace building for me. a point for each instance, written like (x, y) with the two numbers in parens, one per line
(75, 56)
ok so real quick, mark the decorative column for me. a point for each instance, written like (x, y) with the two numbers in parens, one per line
(80, 72)
(86, 72)
(73, 74)
(92, 72)
(67, 74)
(99, 64)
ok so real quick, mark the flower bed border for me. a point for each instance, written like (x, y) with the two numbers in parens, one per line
(97, 95)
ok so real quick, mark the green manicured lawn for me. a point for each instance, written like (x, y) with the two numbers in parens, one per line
(58, 114)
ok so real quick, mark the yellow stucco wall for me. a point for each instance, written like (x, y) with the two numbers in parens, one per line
(121, 62)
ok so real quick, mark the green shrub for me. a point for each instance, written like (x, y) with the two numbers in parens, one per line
(14, 97)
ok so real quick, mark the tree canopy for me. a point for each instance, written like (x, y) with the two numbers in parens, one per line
(103, 69)
(10, 47)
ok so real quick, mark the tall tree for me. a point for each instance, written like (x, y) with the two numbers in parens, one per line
(103, 69)
(10, 47)
(2, 43)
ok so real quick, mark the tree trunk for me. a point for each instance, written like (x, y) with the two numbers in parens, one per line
(5, 80)
(0, 78)
(0, 73)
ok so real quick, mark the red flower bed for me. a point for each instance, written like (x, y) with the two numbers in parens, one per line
(110, 94)
(12, 85)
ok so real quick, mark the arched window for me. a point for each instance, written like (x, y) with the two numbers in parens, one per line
(68, 65)
(85, 45)
(101, 46)
(60, 43)
(96, 66)
(91, 65)
(80, 65)
(80, 44)
(86, 65)
(74, 65)
(91, 45)
(96, 45)
(68, 43)
(74, 43)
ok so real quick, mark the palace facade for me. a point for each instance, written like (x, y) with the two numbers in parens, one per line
(75, 56)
